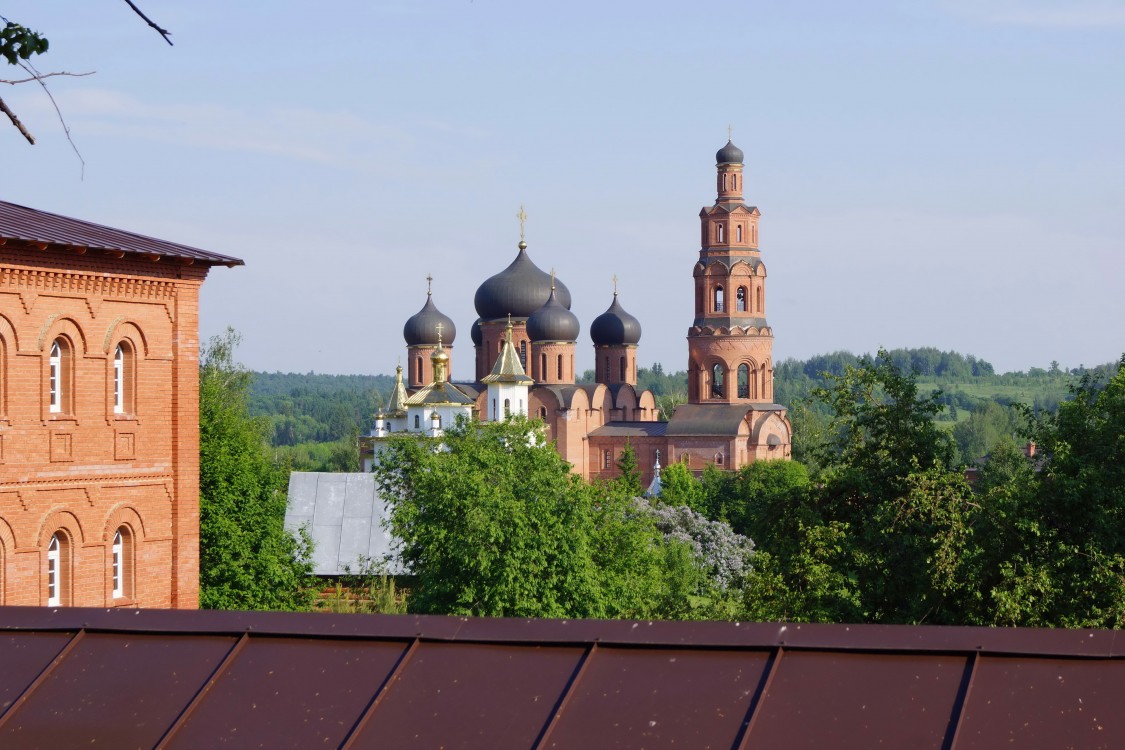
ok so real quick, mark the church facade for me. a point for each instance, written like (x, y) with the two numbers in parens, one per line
(524, 342)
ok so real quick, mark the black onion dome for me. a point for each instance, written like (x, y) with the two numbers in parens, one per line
(615, 327)
(421, 327)
(729, 154)
(475, 333)
(552, 322)
(518, 290)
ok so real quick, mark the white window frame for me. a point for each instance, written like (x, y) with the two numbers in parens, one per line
(118, 565)
(54, 572)
(119, 381)
(56, 378)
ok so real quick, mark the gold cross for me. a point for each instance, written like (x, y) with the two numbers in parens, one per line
(730, 130)
(614, 285)
(552, 279)
(522, 216)
(439, 335)
(429, 285)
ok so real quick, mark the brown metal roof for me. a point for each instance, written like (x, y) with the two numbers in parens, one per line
(126, 678)
(33, 225)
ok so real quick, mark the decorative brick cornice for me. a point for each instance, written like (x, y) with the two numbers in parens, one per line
(67, 283)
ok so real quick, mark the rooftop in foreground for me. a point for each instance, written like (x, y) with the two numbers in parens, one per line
(42, 229)
(149, 678)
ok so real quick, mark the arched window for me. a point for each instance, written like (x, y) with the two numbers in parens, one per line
(718, 459)
(507, 408)
(523, 353)
(418, 369)
(718, 299)
(738, 232)
(717, 381)
(560, 367)
(719, 232)
(59, 387)
(724, 182)
(740, 299)
(758, 302)
(543, 412)
(417, 422)
(607, 459)
(121, 563)
(124, 379)
(744, 381)
(542, 366)
(58, 573)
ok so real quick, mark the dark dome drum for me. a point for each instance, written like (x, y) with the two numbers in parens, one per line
(553, 322)
(729, 154)
(615, 327)
(421, 328)
(518, 290)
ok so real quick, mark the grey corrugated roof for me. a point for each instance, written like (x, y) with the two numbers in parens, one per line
(82, 677)
(712, 419)
(344, 514)
(32, 225)
(631, 429)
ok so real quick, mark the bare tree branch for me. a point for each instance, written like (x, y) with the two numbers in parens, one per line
(16, 121)
(38, 77)
(163, 32)
(46, 75)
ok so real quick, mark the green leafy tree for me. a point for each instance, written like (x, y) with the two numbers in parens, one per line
(629, 480)
(1057, 539)
(889, 482)
(679, 487)
(494, 523)
(247, 558)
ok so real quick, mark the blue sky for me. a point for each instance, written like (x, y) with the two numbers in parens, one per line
(944, 173)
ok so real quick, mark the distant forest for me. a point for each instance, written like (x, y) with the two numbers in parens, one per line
(315, 419)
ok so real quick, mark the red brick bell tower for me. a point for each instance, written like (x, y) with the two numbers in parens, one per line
(730, 345)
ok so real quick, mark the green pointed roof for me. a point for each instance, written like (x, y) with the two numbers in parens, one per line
(507, 368)
(396, 405)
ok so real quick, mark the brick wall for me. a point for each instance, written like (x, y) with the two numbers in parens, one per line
(85, 471)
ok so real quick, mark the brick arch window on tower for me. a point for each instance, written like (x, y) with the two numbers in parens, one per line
(758, 302)
(718, 299)
(560, 367)
(523, 353)
(744, 381)
(738, 233)
(719, 232)
(740, 299)
(717, 373)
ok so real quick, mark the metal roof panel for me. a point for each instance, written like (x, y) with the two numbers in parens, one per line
(32, 225)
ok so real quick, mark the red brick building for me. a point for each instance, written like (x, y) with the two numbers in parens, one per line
(99, 414)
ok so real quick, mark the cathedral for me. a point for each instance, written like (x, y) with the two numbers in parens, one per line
(524, 342)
